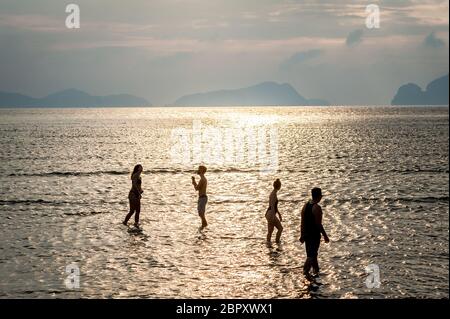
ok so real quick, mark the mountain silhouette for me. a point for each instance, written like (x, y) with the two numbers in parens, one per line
(71, 98)
(436, 93)
(263, 94)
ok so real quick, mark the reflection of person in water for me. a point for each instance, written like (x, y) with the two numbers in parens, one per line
(271, 214)
(311, 230)
(202, 197)
(135, 194)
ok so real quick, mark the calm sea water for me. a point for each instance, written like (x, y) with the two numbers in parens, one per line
(64, 180)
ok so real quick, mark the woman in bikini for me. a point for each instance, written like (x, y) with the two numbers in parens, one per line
(135, 194)
(271, 214)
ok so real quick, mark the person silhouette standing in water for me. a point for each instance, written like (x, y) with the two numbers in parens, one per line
(202, 197)
(271, 214)
(311, 231)
(134, 196)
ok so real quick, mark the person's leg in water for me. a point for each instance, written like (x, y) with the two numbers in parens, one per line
(312, 247)
(279, 227)
(127, 218)
(138, 211)
(307, 266)
(201, 208)
(202, 217)
(315, 262)
(315, 266)
(308, 262)
(132, 209)
(270, 228)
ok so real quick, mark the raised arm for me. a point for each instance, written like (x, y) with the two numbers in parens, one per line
(198, 185)
(194, 183)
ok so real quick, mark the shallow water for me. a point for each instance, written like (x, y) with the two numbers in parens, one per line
(64, 181)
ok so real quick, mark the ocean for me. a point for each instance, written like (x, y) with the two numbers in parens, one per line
(65, 178)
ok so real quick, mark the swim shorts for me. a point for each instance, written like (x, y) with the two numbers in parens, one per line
(201, 204)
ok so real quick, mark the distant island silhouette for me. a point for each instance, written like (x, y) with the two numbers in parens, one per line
(263, 94)
(71, 98)
(436, 93)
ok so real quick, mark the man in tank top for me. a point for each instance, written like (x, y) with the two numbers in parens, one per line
(311, 230)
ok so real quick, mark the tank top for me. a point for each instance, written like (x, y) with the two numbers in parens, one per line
(311, 228)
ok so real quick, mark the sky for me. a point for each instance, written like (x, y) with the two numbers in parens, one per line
(163, 49)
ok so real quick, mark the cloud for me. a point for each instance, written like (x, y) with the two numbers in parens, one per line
(162, 46)
(432, 41)
(32, 22)
(299, 58)
(354, 37)
(162, 49)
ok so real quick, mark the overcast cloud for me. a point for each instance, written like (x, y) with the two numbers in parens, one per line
(162, 49)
